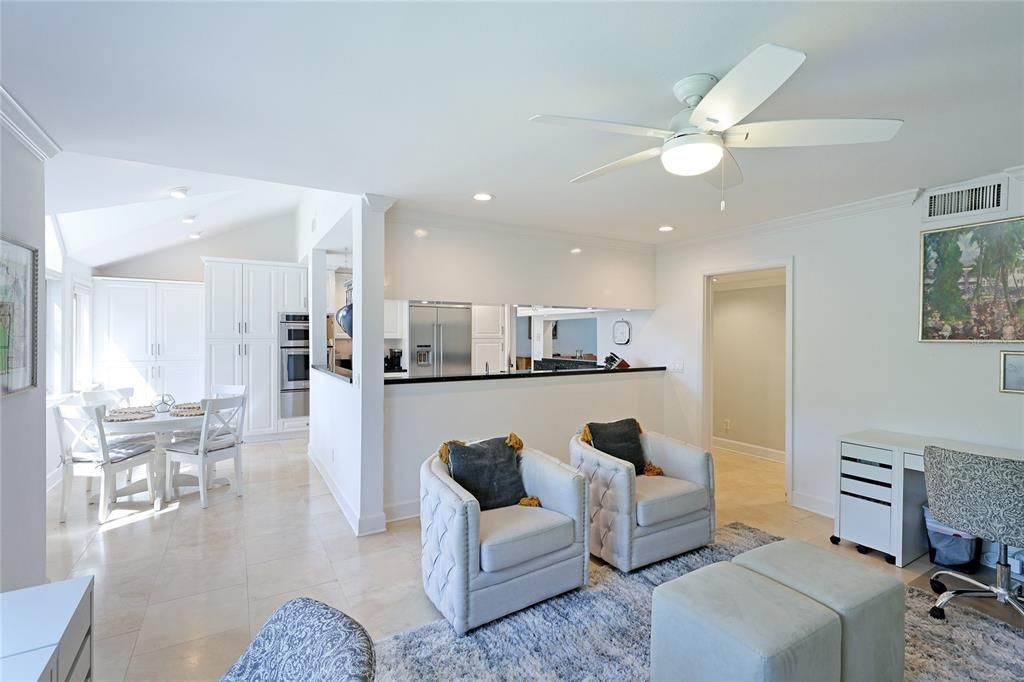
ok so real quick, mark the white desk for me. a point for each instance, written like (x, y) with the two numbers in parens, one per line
(47, 632)
(880, 490)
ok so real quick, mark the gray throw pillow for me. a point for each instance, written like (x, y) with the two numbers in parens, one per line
(619, 439)
(489, 471)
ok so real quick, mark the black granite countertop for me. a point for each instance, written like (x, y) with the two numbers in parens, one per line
(518, 374)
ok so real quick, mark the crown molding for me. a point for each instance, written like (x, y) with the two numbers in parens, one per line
(1016, 172)
(28, 132)
(416, 218)
(896, 200)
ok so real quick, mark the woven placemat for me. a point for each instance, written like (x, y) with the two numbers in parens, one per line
(128, 417)
(187, 412)
(141, 409)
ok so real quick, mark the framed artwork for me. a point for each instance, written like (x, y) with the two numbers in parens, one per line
(1011, 371)
(972, 282)
(19, 316)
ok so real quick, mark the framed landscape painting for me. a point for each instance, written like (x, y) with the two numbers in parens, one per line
(19, 278)
(972, 282)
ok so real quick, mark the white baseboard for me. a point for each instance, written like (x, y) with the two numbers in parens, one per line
(409, 509)
(281, 435)
(361, 525)
(748, 449)
(818, 505)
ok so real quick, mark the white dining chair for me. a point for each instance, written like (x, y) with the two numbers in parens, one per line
(86, 452)
(111, 398)
(220, 438)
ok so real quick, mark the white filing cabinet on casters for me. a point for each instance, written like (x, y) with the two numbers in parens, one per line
(879, 494)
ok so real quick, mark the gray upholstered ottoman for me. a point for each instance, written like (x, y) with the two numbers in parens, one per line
(869, 603)
(723, 622)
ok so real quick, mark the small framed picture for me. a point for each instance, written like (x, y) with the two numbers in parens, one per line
(19, 315)
(1011, 371)
(621, 332)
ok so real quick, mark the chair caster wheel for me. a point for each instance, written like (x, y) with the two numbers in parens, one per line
(861, 549)
(938, 587)
(890, 559)
(937, 613)
(834, 539)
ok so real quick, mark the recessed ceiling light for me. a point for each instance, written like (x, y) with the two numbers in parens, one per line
(179, 192)
(483, 196)
(666, 228)
(189, 219)
(420, 232)
(575, 250)
(195, 235)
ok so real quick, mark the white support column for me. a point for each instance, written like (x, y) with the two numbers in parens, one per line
(368, 352)
(317, 297)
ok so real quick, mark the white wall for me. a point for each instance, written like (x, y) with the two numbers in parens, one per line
(641, 349)
(468, 261)
(857, 361)
(749, 356)
(271, 238)
(544, 412)
(22, 415)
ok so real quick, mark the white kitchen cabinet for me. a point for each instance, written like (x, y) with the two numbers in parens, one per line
(393, 320)
(124, 325)
(259, 316)
(489, 321)
(223, 299)
(290, 289)
(178, 337)
(261, 410)
(223, 362)
(149, 336)
(488, 356)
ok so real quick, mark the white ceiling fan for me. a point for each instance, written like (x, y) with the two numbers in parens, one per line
(700, 136)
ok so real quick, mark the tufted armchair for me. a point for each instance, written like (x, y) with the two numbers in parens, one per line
(479, 566)
(637, 520)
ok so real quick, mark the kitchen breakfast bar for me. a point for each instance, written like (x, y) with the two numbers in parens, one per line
(543, 407)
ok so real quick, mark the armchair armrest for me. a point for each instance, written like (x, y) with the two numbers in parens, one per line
(559, 487)
(612, 501)
(450, 538)
(679, 459)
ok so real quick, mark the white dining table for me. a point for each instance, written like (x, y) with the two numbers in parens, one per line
(162, 425)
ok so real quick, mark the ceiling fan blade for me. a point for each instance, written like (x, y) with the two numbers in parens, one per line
(812, 132)
(746, 87)
(605, 126)
(652, 153)
(727, 169)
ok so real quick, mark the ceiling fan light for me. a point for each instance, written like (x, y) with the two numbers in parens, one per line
(692, 154)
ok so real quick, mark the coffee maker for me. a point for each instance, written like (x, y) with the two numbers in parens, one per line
(393, 360)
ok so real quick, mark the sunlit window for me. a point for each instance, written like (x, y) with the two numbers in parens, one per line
(54, 337)
(53, 254)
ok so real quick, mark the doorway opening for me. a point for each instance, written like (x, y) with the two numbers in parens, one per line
(747, 383)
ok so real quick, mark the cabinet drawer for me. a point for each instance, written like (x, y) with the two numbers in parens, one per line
(74, 635)
(869, 471)
(875, 492)
(913, 461)
(864, 522)
(83, 664)
(866, 453)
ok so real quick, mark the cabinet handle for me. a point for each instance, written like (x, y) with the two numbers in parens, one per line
(158, 349)
(239, 327)
(152, 349)
(246, 327)
(246, 349)
(239, 349)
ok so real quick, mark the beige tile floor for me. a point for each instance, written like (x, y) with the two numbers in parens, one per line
(180, 593)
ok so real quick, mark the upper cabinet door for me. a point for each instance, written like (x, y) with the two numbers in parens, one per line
(489, 321)
(259, 314)
(223, 299)
(291, 290)
(179, 332)
(127, 322)
(393, 319)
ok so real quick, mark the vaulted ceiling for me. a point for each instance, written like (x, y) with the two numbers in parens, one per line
(429, 102)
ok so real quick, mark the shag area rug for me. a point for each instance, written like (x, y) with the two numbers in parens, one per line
(603, 633)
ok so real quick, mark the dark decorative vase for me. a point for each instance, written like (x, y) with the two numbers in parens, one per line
(344, 318)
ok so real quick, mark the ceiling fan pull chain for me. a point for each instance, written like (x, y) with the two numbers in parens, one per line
(721, 207)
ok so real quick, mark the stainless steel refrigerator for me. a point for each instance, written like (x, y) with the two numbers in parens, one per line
(440, 340)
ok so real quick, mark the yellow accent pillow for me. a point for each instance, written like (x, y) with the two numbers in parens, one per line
(530, 501)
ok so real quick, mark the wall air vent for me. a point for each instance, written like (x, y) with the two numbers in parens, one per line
(977, 198)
